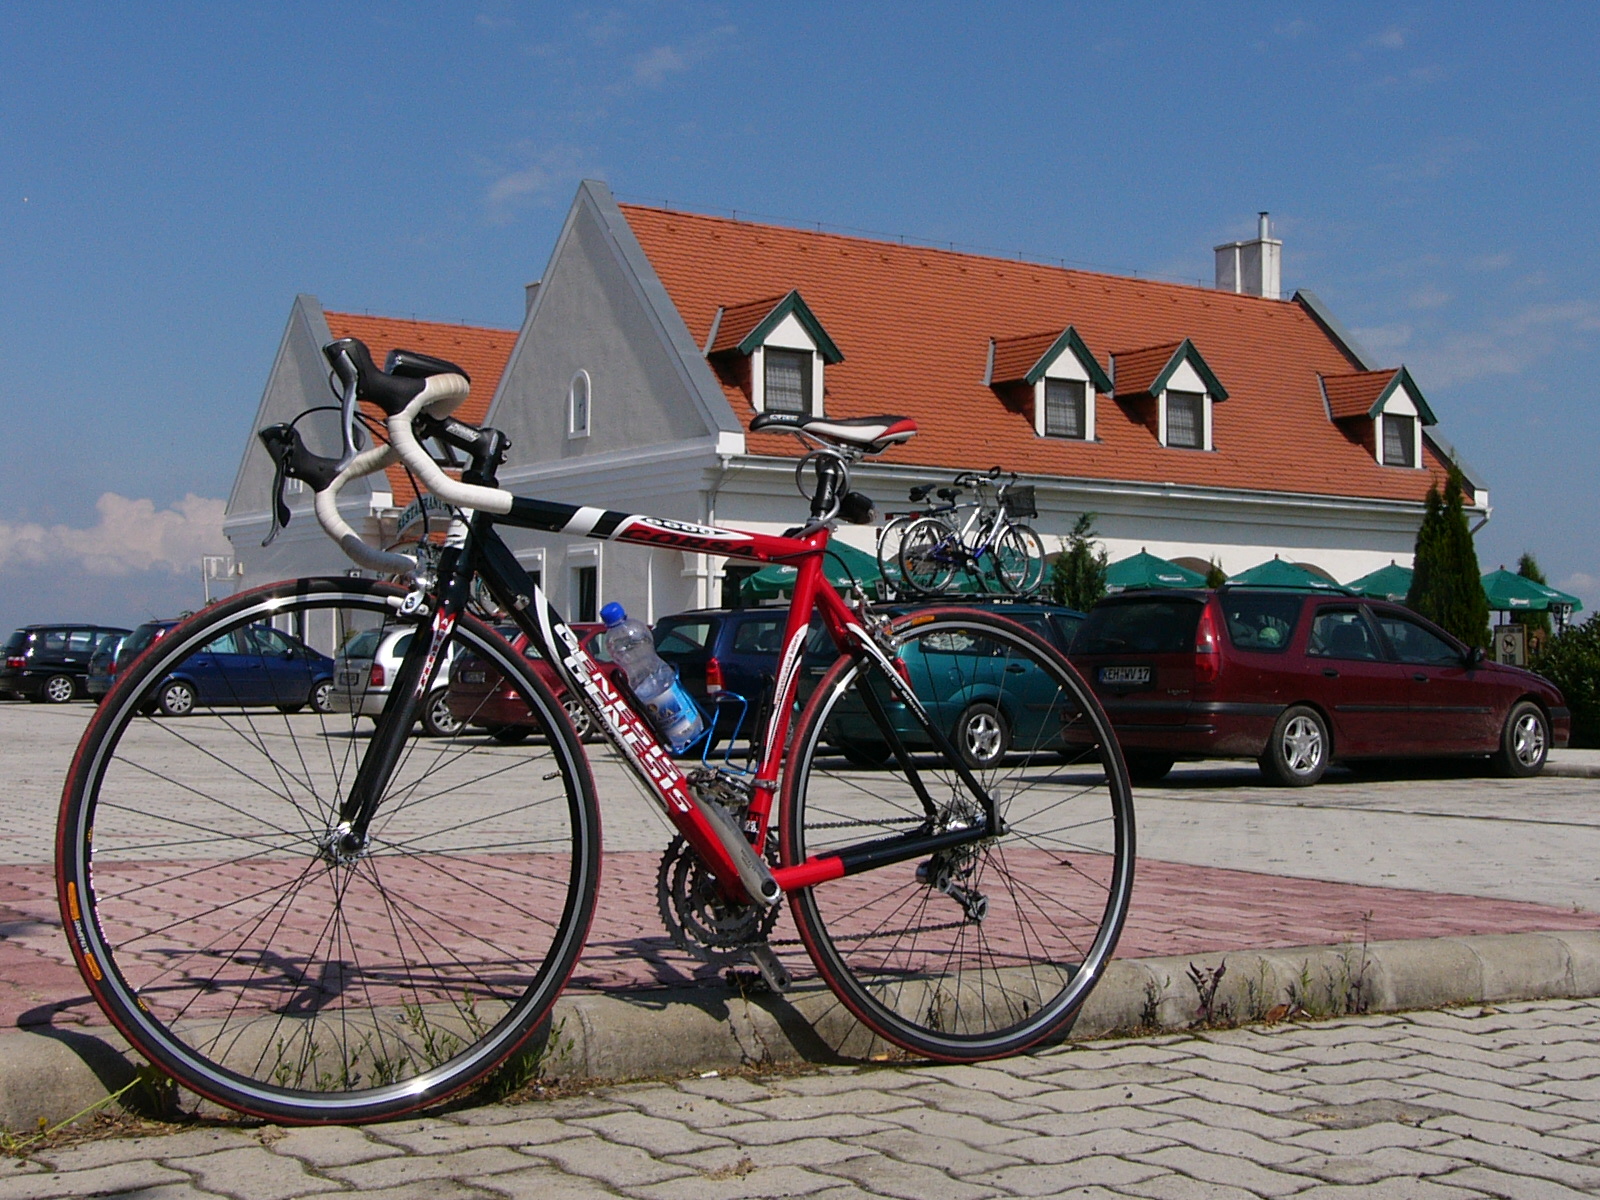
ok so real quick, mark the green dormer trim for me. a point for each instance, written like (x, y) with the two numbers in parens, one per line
(792, 304)
(1402, 378)
(1069, 340)
(1186, 353)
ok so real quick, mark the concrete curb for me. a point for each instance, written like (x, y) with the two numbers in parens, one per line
(1572, 770)
(54, 1074)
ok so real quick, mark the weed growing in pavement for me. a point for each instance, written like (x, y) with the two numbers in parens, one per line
(149, 1090)
(1150, 1014)
(1206, 983)
(525, 1070)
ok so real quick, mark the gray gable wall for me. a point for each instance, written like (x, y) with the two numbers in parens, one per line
(601, 309)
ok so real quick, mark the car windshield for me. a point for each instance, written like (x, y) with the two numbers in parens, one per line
(363, 645)
(17, 641)
(141, 637)
(683, 637)
(1157, 625)
(1261, 622)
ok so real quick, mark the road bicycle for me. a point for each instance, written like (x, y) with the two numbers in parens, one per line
(311, 923)
(937, 549)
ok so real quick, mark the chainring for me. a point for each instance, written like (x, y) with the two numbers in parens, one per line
(698, 919)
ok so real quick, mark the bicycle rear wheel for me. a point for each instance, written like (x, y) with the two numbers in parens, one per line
(927, 554)
(1019, 560)
(991, 947)
(240, 945)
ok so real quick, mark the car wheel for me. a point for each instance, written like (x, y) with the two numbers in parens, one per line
(864, 754)
(57, 689)
(1149, 768)
(176, 699)
(509, 735)
(582, 722)
(1524, 741)
(981, 735)
(1297, 753)
(322, 696)
(437, 719)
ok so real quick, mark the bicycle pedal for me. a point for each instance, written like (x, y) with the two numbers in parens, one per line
(774, 972)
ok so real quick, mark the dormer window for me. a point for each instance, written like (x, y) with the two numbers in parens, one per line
(1385, 410)
(785, 348)
(1055, 375)
(1183, 387)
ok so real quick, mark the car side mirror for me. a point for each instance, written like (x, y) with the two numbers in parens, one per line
(1475, 656)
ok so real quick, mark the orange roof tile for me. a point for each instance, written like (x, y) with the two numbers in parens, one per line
(1015, 357)
(481, 353)
(1354, 394)
(739, 319)
(1136, 370)
(919, 323)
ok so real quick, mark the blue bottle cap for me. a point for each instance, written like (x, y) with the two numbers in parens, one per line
(613, 613)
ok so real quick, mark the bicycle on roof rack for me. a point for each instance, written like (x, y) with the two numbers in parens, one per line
(969, 543)
(312, 923)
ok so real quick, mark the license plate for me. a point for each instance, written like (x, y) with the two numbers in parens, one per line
(1124, 674)
(349, 679)
(473, 676)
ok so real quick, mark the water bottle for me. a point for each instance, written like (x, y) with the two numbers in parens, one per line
(672, 710)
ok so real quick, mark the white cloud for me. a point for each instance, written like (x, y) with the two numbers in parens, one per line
(543, 176)
(1585, 587)
(1392, 38)
(1504, 345)
(653, 67)
(131, 536)
(1429, 296)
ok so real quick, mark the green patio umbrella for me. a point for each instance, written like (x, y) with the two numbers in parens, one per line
(1275, 572)
(1386, 583)
(839, 564)
(1510, 592)
(1145, 570)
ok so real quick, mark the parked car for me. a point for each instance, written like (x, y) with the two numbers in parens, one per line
(49, 663)
(984, 707)
(1297, 680)
(102, 671)
(255, 666)
(364, 673)
(480, 697)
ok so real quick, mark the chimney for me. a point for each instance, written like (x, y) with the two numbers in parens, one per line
(1253, 268)
(531, 291)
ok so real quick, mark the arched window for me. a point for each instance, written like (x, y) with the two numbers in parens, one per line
(578, 399)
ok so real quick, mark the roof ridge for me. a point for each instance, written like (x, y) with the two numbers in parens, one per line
(369, 316)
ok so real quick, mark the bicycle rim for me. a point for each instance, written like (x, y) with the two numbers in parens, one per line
(990, 948)
(222, 927)
(925, 554)
(1019, 559)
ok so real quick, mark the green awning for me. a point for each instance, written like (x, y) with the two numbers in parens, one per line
(1145, 570)
(1509, 592)
(839, 564)
(1275, 572)
(1386, 583)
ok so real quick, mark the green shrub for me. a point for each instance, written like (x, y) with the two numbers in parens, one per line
(1572, 663)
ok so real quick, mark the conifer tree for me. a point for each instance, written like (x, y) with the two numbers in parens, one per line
(1078, 575)
(1446, 584)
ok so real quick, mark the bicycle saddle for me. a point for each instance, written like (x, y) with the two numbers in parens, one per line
(871, 434)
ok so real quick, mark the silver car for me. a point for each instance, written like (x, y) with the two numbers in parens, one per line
(364, 672)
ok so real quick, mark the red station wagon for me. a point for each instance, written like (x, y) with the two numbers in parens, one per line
(1296, 680)
(480, 696)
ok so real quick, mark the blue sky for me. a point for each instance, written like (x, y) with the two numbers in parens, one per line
(172, 175)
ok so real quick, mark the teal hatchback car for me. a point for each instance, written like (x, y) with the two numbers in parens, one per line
(989, 702)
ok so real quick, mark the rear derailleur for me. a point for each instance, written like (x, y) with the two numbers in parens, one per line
(950, 872)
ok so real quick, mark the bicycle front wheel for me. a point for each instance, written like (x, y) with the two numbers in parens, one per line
(242, 943)
(990, 947)
(889, 540)
(1019, 560)
(927, 555)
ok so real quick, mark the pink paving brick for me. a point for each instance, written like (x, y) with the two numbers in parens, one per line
(1177, 909)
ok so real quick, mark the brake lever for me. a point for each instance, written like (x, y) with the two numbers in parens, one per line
(293, 461)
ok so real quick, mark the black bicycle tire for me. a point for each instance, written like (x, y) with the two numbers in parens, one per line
(1032, 577)
(97, 956)
(825, 949)
(936, 581)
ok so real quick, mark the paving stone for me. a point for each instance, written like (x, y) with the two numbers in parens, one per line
(1375, 1165)
(1061, 1179)
(1226, 1051)
(256, 1172)
(1368, 1138)
(618, 1166)
(438, 1189)
(1082, 1100)
(1152, 1074)
(671, 1104)
(1491, 1110)
(1096, 1057)
(766, 1133)
(1073, 1124)
(834, 1083)
(533, 1183)
(865, 1100)
(1336, 1095)
(1181, 1187)
(957, 1158)
(653, 1134)
(1217, 1092)
(566, 1108)
(1356, 1071)
(1517, 1161)
(1110, 1141)
(974, 1131)
(96, 1181)
(729, 1090)
(463, 1164)
(1570, 1142)
(1344, 1052)
(910, 1181)
(990, 1081)
(1461, 1067)
(1570, 1089)
(954, 1099)
(1224, 1169)
(801, 1152)
(737, 1183)
(1394, 1189)
(1223, 1116)
(174, 1146)
(1235, 1142)
(446, 1138)
(1489, 1182)
(331, 1146)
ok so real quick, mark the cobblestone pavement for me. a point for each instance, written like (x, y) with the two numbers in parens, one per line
(1423, 1106)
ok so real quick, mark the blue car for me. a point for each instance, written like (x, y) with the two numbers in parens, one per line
(252, 667)
(987, 702)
